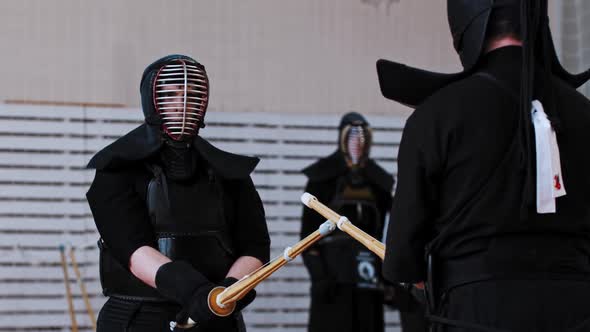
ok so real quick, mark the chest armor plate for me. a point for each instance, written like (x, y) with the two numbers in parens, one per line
(189, 223)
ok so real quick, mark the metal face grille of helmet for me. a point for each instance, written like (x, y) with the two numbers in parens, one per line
(355, 143)
(181, 95)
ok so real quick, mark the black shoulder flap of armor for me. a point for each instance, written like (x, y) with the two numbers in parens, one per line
(225, 164)
(326, 168)
(145, 140)
(378, 176)
(335, 166)
(138, 144)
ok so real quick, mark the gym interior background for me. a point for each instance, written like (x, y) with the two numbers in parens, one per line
(282, 72)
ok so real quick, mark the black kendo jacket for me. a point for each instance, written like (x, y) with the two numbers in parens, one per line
(117, 196)
(460, 182)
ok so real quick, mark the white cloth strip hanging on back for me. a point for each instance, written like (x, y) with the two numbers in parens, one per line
(549, 177)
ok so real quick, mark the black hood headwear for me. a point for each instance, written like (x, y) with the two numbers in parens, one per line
(146, 140)
(468, 20)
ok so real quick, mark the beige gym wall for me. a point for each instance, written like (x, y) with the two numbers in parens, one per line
(261, 55)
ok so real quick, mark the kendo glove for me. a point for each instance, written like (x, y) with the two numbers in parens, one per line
(183, 315)
(180, 282)
(243, 302)
(404, 297)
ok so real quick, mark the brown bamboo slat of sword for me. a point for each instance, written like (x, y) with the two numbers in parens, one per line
(64, 267)
(89, 309)
(344, 225)
(242, 287)
(222, 301)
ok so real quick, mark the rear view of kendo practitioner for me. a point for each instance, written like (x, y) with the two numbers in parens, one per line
(492, 207)
(346, 285)
(176, 215)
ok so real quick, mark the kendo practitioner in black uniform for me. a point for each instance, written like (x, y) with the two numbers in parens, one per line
(492, 206)
(176, 215)
(346, 287)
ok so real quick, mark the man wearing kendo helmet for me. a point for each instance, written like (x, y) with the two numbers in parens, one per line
(177, 216)
(347, 291)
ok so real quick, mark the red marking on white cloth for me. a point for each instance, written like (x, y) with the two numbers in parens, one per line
(549, 175)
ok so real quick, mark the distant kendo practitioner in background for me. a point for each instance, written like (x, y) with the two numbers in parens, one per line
(492, 206)
(346, 285)
(177, 216)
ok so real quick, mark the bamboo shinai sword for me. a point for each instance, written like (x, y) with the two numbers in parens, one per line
(222, 301)
(344, 225)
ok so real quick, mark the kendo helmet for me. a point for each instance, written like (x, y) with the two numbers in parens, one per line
(469, 22)
(355, 138)
(175, 95)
